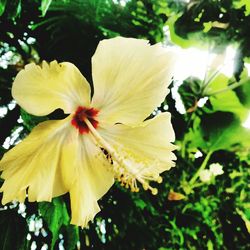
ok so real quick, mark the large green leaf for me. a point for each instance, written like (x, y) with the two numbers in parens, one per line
(243, 91)
(224, 99)
(220, 130)
(56, 215)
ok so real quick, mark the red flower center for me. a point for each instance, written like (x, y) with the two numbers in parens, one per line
(81, 114)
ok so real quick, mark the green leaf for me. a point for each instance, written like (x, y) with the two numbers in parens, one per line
(71, 237)
(140, 204)
(2, 6)
(189, 92)
(30, 121)
(226, 100)
(240, 3)
(220, 130)
(220, 81)
(194, 39)
(243, 91)
(14, 9)
(45, 6)
(56, 215)
(207, 26)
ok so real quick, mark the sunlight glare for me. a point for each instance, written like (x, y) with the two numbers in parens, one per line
(229, 63)
(195, 62)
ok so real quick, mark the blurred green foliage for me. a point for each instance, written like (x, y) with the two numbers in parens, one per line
(187, 213)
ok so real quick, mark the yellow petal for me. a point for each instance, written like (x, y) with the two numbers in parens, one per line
(141, 153)
(130, 79)
(42, 89)
(55, 159)
(152, 140)
(34, 164)
(92, 182)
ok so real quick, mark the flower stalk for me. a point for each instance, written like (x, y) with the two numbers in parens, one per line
(202, 167)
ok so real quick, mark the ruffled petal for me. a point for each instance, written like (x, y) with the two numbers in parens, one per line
(93, 180)
(130, 79)
(55, 159)
(42, 89)
(144, 151)
(34, 164)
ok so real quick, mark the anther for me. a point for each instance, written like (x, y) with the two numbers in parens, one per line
(145, 185)
(159, 179)
(154, 191)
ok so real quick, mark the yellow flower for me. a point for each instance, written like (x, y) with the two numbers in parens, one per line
(103, 138)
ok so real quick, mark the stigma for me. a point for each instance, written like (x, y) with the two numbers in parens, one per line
(128, 169)
(80, 115)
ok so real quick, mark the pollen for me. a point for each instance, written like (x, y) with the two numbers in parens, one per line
(81, 114)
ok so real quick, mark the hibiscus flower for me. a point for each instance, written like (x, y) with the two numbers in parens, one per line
(103, 139)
